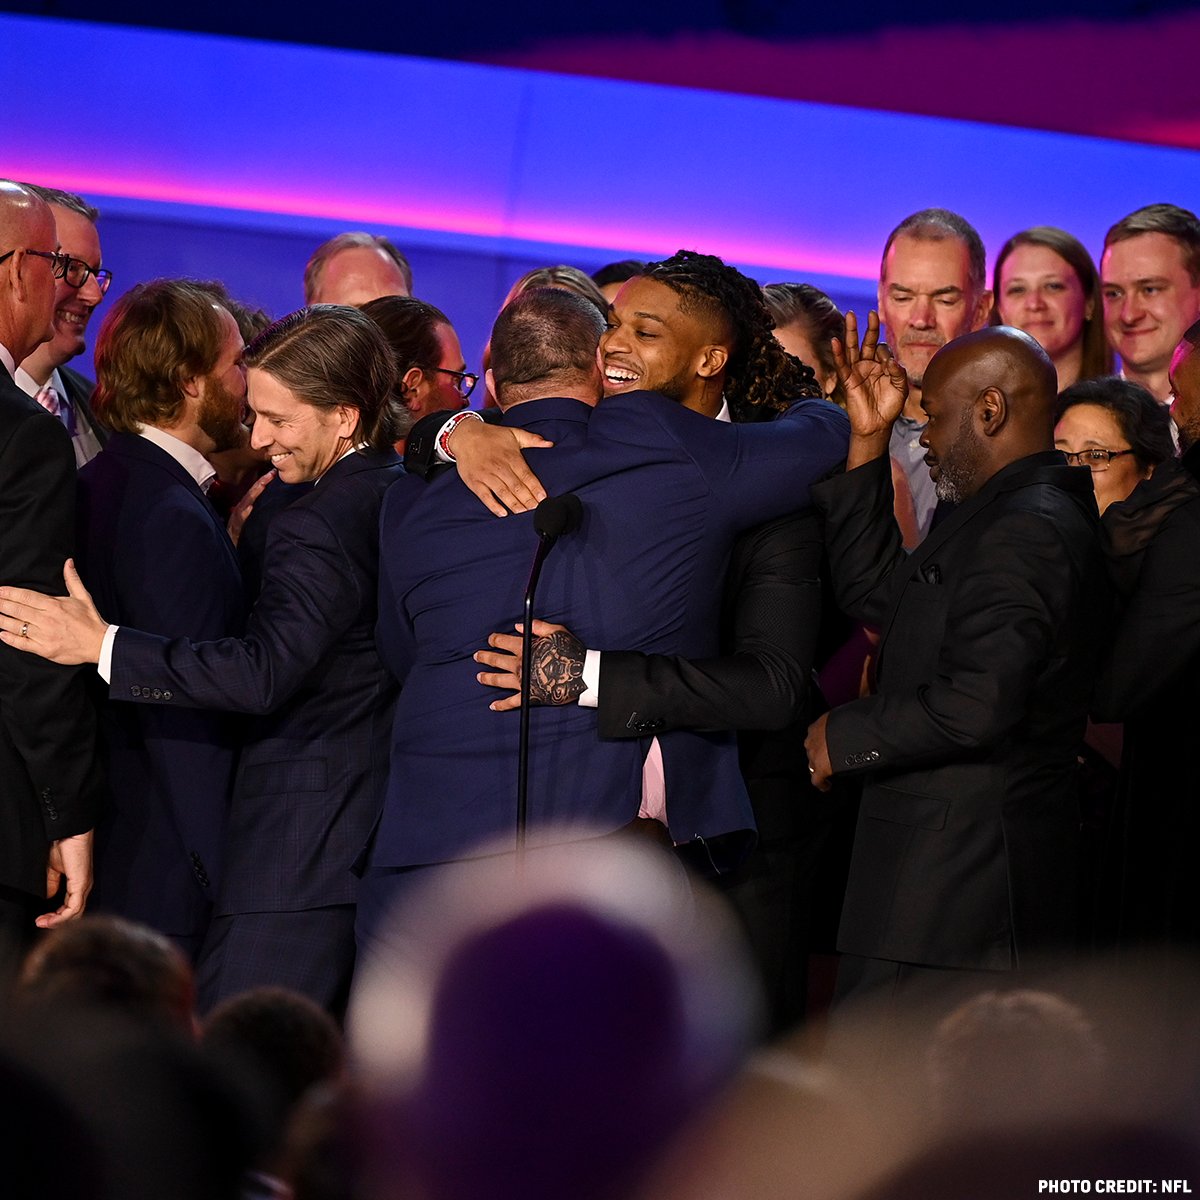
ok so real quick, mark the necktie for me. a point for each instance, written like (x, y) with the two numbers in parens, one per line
(50, 400)
(47, 397)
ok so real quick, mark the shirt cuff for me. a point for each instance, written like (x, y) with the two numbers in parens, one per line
(590, 697)
(104, 666)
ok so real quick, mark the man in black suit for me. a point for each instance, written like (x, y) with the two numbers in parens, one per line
(44, 374)
(47, 735)
(967, 835)
(155, 554)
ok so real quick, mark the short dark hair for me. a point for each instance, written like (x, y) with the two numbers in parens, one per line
(803, 304)
(112, 965)
(286, 1042)
(154, 339)
(1097, 354)
(618, 272)
(761, 378)
(410, 326)
(1180, 224)
(315, 267)
(1145, 422)
(1191, 334)
(938, 225)
(330, 356)
(68, 200)
(543, 333)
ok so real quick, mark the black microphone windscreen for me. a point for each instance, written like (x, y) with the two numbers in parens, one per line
(557, 515)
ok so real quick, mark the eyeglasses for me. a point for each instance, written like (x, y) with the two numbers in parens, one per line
(77, 272)
(1097, 459)
(464, 381)
(58, 261)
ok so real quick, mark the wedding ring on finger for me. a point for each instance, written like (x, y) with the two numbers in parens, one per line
(24, 629)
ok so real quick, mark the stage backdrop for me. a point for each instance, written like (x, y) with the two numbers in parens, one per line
(231, 159)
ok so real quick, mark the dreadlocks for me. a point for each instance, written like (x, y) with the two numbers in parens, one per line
(761, 378)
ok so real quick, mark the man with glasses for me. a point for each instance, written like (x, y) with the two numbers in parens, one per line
(48, 780)
(81, 287)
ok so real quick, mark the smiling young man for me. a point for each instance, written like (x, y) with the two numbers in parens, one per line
(932, 289)
(44, 373)
(1150, 280)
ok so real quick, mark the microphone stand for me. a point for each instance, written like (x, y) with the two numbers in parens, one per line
(555, 516)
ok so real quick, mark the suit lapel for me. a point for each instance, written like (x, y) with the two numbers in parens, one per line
(131, 446)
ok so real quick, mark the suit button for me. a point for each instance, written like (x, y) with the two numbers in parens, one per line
(156, 694)
(166, 695)
(135, 690)
(874, 756)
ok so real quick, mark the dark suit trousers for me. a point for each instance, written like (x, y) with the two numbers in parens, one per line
(311, 952)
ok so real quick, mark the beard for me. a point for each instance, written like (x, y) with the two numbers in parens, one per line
(220, 416)
(959, 468)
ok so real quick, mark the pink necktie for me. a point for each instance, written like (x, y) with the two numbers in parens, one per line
(47, 397)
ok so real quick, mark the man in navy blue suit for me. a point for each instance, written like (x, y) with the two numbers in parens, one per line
(156, 556)
(664, 491)
(313, 760)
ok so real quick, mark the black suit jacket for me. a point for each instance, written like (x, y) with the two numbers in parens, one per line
(48, 777)
(771, 612)
(967, 834)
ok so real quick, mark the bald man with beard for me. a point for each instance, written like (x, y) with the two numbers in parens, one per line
(965, 853)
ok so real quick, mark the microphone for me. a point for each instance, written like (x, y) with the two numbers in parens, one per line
(557, 515)
(552, 518)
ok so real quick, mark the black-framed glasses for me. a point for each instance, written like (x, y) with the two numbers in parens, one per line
(58, 261)
(464, 381)
(77, 273)
(1096, 458)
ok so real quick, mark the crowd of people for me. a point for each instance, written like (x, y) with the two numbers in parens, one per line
(838, 629)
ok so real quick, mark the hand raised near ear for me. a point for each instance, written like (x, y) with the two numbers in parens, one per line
(875, 385)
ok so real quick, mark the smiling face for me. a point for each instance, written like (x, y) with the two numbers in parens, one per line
(926, 299)
(651, 345)
(302, 441)
(1149, 301)
(73, 307)
(1041, 294)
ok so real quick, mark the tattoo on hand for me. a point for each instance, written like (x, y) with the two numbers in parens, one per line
(556, 669)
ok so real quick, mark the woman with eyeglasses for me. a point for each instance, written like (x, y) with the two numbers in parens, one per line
(431, 374)
(1149, 884)
(1118, 430)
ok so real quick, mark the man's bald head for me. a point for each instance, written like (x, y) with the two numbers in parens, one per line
(26, 279)
(990, 399)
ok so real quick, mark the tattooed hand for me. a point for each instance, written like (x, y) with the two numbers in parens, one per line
(556, 669)
(557, 666)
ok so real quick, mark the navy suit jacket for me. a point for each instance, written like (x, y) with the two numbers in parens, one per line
(664, 493)
(311, 772)
(155, 556)
(48, 778)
